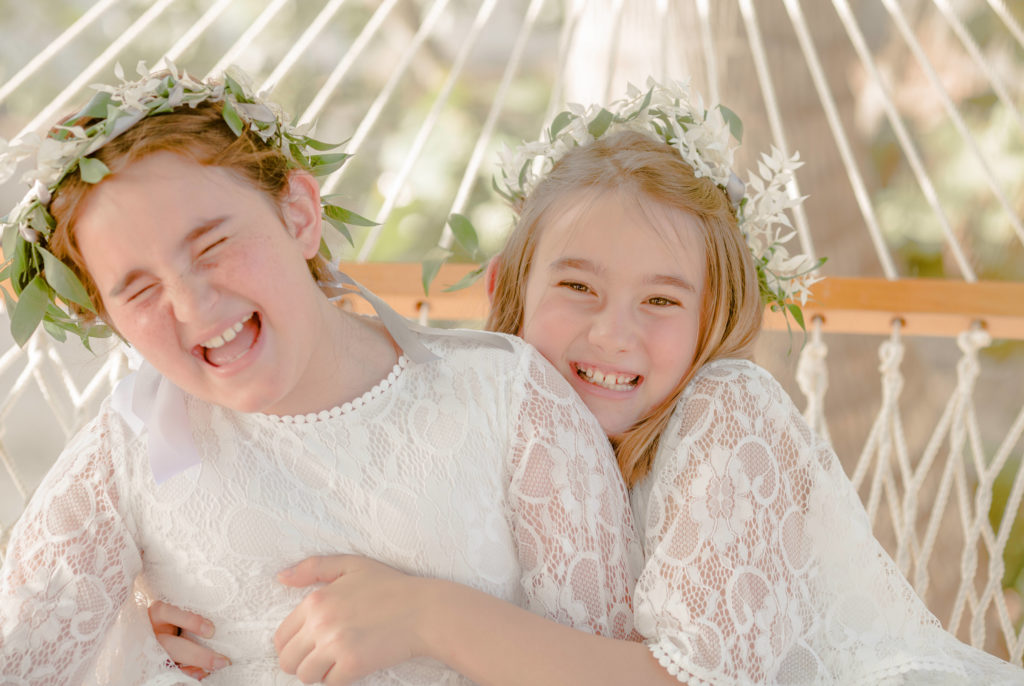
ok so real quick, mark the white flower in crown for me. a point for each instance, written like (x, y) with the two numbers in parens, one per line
(704, 138)
(13, 152)
(46, 291)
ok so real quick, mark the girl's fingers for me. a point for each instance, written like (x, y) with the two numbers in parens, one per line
(288, 628)
(167, 619)
(314, 667)
(312, 570)
(188, 654)
(292, 654)
(194, 672)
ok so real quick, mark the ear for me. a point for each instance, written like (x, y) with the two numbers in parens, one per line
(491, 277)
(300, 209)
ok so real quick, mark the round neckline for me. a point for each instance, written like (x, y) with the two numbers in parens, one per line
(378, 390)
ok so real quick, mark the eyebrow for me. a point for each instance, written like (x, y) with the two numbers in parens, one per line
(193, 236)
(653, 279)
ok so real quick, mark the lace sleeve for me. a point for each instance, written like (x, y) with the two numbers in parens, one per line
(726, 587)
(69, 571)
(761, 565)
(570, 514)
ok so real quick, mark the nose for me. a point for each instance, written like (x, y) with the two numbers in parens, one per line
(191, 297)
(614, 328)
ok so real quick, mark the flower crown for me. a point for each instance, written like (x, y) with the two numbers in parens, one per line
(45, 289)
(702, 137)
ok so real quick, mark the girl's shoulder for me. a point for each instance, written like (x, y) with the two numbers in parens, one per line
(472, 347)
(732, 376)
(109, 425)
(468, 340)
(733, 392)
(733, 408)
(502, 362)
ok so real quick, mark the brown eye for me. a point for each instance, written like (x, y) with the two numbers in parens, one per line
(662, 302)
(575, 286)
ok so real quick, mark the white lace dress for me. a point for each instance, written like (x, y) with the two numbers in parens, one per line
(482, 467)
(760, 562)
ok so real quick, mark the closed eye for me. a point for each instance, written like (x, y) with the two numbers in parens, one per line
(213, 245)
(141, 292)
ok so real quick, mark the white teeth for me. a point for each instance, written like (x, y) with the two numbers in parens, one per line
(226, 335)
(615, 382)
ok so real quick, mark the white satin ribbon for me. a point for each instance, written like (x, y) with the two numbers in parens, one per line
(401, 329)
(151, 403)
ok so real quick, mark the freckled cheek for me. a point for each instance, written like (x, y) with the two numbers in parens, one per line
(144, 328)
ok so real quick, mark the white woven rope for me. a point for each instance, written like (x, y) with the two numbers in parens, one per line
(480, 150)
(979, 60)
(953, 426)
(88, 74)
(973, 529)
(574, 11)
(835, 124)
(15, 477)
(611, 88)
(256, 28)
(994, 542)
(196, 30)
(954, 116)
(325, 93)
(910, 152)
(115, 365)
(771, 105)
(708, 47)
(1013, 503)
(21, 383)
(58, 402)
(910, 548)
(391, 196)
(886, 442)
(661, 10)
(302, 44)
(999, 7)
(12, 355)
(981, 528)
(387, 91)
(812, 379)
(18, 389)
(55, 46)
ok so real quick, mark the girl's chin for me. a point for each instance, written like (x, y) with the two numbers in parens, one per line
(615, 427)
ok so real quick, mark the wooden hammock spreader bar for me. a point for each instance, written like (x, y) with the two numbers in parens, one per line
(926, 307)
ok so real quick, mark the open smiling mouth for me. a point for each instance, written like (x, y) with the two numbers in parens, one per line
(232, 343)
(613, 381)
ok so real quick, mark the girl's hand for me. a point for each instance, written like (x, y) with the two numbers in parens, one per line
(365, 619)
(169, 623)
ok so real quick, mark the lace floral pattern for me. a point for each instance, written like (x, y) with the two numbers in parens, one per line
(482, 467)
(760, 562)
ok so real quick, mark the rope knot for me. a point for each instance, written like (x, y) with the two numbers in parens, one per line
(967, 369)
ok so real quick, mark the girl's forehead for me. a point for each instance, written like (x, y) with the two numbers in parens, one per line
(639, 214)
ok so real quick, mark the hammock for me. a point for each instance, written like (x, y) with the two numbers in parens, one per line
(907, 117)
